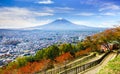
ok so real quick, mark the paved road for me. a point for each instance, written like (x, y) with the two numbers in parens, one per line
(96, 69)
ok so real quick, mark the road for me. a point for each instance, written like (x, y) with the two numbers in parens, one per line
(96, 69)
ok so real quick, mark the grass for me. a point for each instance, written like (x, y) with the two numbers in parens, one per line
(113, 67)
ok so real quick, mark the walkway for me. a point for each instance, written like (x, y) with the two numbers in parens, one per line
(96, 69)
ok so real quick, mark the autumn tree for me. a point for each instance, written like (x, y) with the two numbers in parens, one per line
(64, 57)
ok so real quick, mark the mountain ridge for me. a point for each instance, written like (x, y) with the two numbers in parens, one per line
(63, 24)
(60, 25)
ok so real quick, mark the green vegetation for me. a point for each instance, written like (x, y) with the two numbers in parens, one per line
(51, 52)
(113, 67)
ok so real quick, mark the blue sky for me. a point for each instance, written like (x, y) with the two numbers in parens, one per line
(28, 13)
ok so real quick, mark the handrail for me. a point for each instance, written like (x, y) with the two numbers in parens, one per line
(69, 65)
(81, 68)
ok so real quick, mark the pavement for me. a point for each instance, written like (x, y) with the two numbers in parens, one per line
(95, 69)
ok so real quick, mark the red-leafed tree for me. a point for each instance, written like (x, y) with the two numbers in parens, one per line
(64, 57)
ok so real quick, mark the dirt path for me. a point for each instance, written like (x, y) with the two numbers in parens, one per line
(96, 69)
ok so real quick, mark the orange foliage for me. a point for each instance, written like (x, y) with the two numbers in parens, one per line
(6, 72)
(64, 57)
(9, 70)
(83, 52)
(31, 68)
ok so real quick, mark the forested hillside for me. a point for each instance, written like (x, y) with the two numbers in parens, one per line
(51, 56)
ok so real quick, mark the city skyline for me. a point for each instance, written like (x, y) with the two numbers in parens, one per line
(29, 13)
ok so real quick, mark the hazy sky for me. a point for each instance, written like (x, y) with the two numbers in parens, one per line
(28, 13)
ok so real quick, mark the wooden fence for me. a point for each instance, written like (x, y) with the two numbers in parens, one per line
(67, 66)
(81, 68)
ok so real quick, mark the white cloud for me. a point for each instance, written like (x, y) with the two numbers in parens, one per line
(43, 14)
(85, 14)
(96, 24)
(82, 22)
(63, 9)
(58, 9)
(45, 2)
(109, 14)
(85, 22)
(102, 5)
(47, 9)
(15, 11)
(109, 6)
(107, 24)
(14, 17)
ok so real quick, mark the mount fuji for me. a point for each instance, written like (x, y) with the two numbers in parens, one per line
(63, 24)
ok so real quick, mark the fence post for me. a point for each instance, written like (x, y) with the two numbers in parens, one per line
(76, 70)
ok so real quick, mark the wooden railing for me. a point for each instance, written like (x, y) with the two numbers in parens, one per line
(81, 68)
(67, 66)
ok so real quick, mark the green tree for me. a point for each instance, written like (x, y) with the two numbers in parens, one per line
(30, 58)
(21, 61)
(65, 48)
(51, 52)
(80, 46)
(39, 55)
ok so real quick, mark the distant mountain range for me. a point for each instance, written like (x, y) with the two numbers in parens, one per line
(59, 25)
(63, 24)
